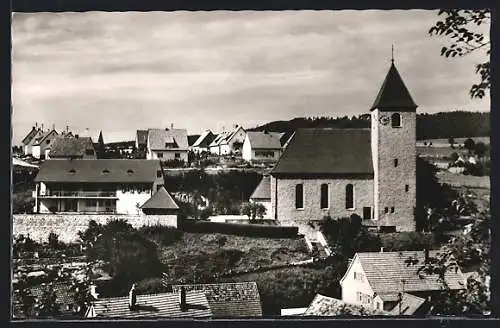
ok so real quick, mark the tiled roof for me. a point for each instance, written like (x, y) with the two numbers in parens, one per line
(232, 133)
(329, 306)
(263, 190)
(160, 200)
(205, 139)
(98, 170)
(30, 135)
(65, 146)
(34, 139)
(44, 136)
(408, 306)
(159, 137)
(230, 300)
(327, 151)
(164, 305)
(390, 272)
(264, 140)
(219, 138)
(142, 137)
(394, 94)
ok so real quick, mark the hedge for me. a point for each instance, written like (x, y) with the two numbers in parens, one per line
(253, 230)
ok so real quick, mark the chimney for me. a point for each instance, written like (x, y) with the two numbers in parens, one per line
(36, 124)
(42, 127)
(171, 125)
(132, 298)
(53, 126)
(182, 299)
(426, 255)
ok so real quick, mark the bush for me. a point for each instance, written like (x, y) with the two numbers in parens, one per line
(166, 236)
(53, 240)
(173, 163)
(238, 229)
(407, 241)
(22, 202)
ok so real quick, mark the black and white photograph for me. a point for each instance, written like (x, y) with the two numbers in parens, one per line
(250, 164)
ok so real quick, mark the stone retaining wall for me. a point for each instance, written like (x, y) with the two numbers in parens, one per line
(66, 226)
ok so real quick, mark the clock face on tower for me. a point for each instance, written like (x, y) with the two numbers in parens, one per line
(384, 119)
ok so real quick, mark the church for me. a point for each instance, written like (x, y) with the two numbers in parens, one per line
(339, 172)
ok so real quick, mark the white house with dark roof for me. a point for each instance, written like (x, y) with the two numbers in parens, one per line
(394, 281)
(202, 144)
(42, 143)
(29, 139)
(340, 172)
(228, 142)
(167, 144)
(102, 186)
(71, 147)
(262, 146)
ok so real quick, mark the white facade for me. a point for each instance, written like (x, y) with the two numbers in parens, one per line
(267, 204)
(251, 154)
(167, 155)
(355, 287)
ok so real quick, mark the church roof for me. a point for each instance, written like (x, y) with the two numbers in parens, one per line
(327, 151)
(160, 200)
(263, 190)
(394, 94)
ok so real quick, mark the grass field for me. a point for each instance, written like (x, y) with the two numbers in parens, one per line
(460, 180)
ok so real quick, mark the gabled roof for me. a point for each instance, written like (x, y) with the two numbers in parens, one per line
(263, 190)
(393, 94)
(142, 137)
(327, 151)
(329, 306)
(99, 170)
(33, 132)
(204, 140)
(229, 300)
(158, 138)
(164, 305)
(219, 138)
(44, 136)
(392, 272)
(264, 140)
(34, 139)
(160, 200)
(66, 146)
(232, 133)
(408, 305)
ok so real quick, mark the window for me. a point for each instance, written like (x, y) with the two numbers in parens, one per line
(324, 195)
(349, 196)
(130, 172)
(91, 203)
(158, 173)
(396, 120)
(177, 155)
(299, 196)
(47, 142)
(105, 171)
(392, 209)
(407, 188)
(386, 210)
(378, 305)
(160, 155)
(263, 153)
(395, 162)
(89, 152)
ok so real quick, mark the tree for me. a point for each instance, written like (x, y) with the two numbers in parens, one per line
(46, 306)
(253, 210)
(480, 149)
(469, 144)
(454, 156)
(451, 141)
(100, 146)
(461, 27)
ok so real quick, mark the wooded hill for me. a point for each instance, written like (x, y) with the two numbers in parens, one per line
(457, 124)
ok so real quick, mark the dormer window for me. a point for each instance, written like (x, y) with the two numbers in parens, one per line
(130, 172)
(105, 171)
(396, 120)
(72, 171)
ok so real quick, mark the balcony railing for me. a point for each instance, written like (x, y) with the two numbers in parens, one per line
(77, 194)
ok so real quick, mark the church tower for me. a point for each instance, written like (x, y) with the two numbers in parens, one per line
(393, 143)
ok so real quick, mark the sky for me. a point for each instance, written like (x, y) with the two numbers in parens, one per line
(123, 71)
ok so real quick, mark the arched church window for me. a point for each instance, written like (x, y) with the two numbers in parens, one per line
(324, 195)
(299, 196)
(349, 196)
(396, 120)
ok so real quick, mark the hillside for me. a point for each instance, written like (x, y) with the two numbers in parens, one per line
(429, 126)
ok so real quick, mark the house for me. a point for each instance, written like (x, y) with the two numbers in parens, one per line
(42, 143)
(167, 144)
(203, 142)
(393, 281)
(328, 306)
(189, 305)
(262, 146)
(161, 203)
(340, 172)
(228, 142)
(262, 195)
(117, 186)
(28, 140)
(229, 300)
(69, 147)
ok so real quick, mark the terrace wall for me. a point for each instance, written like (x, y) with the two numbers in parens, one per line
(66, 226)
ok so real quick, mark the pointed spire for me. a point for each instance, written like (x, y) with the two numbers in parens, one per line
(393, 94)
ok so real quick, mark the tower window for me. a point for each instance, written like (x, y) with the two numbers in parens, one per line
(396, 120)
(386, 210)
(407, 188)
(392, 209)
(395, 162)
(299, 196)
(349, 196)
(324, 195)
